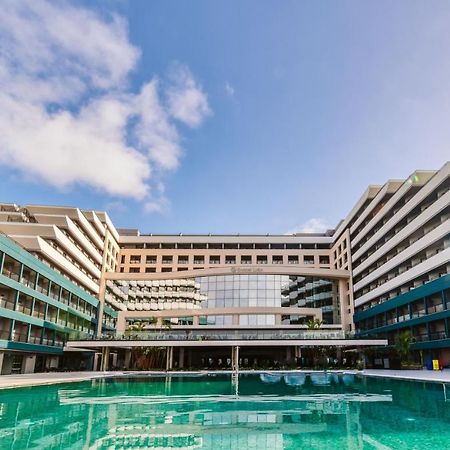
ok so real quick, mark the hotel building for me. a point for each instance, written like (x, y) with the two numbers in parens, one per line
(231, 298)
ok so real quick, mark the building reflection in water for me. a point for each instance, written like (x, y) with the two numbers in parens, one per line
(270, 412)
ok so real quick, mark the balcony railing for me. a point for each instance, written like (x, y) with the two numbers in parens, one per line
(435, 308)
(10, 274)
(6, 303)
(433, 336)
(419, 313)
(225, 335)
(4, 334)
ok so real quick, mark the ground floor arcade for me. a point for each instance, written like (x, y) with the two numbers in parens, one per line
(169, 355)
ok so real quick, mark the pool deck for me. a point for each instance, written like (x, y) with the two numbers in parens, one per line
(36, 379)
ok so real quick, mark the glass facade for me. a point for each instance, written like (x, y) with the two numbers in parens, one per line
(235, 291)
(240, 291)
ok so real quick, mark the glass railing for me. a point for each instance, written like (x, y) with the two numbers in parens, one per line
(435, 308)
(433, 336)
(9, 274)
(39, 314)
(437, 335)
(28, 282)
(6, 303)
(35, 340)
(224, 335)
(20, 337)
(4, 334)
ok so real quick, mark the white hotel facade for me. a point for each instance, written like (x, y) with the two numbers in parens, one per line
(383, 270)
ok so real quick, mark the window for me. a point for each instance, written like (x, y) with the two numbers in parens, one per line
(324, 259)
(183, 259)
(293, 259)
(135, 259)
(230, 259)
(199, 260)
(167, 259)
(122, 259)
(308, 259)
(214, 259)
(167, 269)
(135, 269)
(150, 259)
(261, 259)
(277, 259)
(247, 259)
(150, 269)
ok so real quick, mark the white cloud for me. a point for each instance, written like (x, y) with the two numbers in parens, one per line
(186, 100)
(313, 225)
(159, 205)
(229, 89)
(66, 111)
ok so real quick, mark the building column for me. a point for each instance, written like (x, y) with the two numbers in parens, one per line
(95, 363)
(114, 359)
(169, 358)
(105, 359)
(288, 354)
(29, 361)
(181, 357)
(127, 360)
(235, 358)
(2, 355)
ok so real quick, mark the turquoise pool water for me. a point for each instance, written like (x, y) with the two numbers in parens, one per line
(267, 411)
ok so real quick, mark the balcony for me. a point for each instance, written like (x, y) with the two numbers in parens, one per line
(418, 313)
(435, 308)
(4, 334)
(433, 336)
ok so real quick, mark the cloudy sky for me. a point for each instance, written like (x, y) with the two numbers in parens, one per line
(219, 117)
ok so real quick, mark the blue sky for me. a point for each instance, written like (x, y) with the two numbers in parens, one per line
(220, 117)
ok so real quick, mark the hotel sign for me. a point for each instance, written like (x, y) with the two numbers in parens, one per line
(245, 270)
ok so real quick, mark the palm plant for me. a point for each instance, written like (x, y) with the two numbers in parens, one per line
(314, 324)
(403, 345)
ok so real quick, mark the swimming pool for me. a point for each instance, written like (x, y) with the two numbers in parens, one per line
(263, 411)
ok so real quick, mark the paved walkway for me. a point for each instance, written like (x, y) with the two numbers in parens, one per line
(34, 379)
(440, 376)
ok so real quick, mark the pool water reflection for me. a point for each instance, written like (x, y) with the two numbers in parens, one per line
(266, 411)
